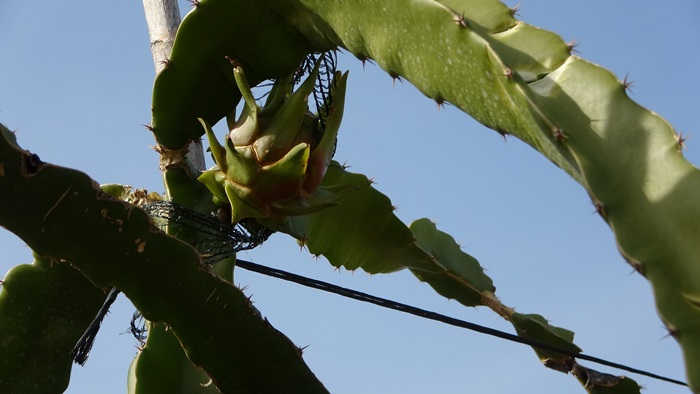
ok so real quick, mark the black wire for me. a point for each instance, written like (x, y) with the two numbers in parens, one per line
(325, 286)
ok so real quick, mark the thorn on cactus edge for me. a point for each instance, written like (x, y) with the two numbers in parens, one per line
(148, 127)
(637, 266)
(300, 350)
(460, 21)
(600, 210)
(627, 84)
(508, 73)
(394, 77)
(515, 9)
(364, 59)
(672, 331)
(166, 63)
(440, 103)
(572, 46)
(195, 3)
(559, 135)
(394, 207)
(680, 141)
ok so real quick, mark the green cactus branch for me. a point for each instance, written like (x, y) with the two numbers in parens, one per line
(517, 80)
(362, 231)
(197, 81)
(475, 62)
(45, 307)
(512, 77)
(162, 366)
(62, 214)
(523, 81)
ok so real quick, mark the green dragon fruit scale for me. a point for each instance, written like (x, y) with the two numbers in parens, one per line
(274, 158)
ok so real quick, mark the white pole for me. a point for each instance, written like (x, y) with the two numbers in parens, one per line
(163, 19)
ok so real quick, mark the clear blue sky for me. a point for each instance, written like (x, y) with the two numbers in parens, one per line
(75, 81)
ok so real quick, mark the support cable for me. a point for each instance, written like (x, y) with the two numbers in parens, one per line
(383, 302)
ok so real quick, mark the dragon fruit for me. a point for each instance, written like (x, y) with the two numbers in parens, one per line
(274, 157)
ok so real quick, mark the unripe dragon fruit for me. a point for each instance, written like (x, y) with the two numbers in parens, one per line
(273, 159)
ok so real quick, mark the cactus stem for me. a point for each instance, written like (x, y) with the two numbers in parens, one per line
(514, 10)
(460, 21)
